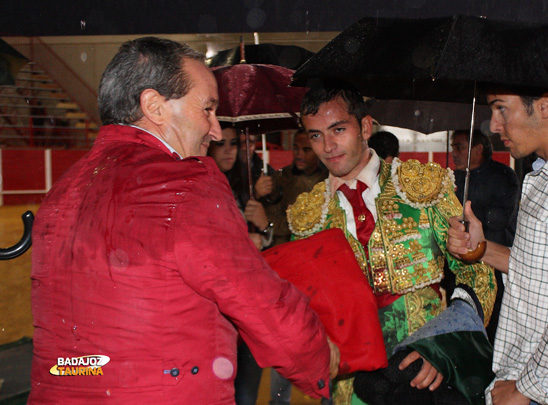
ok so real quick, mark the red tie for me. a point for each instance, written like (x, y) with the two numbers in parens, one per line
(365, 223)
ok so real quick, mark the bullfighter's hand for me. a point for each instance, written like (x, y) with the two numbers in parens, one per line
(428, 376)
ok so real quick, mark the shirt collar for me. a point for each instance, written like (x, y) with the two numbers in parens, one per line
(368, 175)
(167, 145)
(538, 165)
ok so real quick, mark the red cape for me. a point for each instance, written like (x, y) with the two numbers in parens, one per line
(325, 268)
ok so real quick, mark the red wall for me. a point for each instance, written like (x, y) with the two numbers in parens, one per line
(61, 160)
(24, 169)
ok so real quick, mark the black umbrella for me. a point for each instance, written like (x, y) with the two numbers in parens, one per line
(395, 60)
(428, 116)
(431, 59)
(440, 59)
(11, 62)
(288, 56)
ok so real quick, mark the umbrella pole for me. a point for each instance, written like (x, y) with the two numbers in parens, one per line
(447, 141)
(478, 252)
(242, 50)
(470, 139)
(249, 176)
(265, 157)
(248, 156)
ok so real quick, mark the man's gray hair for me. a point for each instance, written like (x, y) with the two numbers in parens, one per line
(140, 64)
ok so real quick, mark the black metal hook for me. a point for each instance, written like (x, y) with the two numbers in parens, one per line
(22, 246)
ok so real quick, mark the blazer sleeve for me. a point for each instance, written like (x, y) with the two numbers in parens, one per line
(218, 260)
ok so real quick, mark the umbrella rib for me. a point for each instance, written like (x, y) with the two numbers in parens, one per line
(455, 19)
(252, 117)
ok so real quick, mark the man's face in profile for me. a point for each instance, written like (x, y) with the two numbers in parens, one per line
(190, 123)
(459, 151)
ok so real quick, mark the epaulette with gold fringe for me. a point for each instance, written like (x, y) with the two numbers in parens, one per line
(419, 184)
(308, 214)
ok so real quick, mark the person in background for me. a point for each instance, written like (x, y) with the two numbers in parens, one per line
(141, 260)
(265, 188)
(226, 154)
(520, 361)
(299, 177)
(386, 145)
(494, 191)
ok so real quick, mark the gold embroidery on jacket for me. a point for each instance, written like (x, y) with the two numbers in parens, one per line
(421, 306)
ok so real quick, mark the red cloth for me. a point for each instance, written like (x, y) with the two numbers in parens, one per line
(146, 259)
(324, 267)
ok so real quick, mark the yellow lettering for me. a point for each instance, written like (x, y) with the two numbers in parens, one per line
(61, 370)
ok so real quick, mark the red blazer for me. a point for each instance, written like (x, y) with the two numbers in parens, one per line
(145, 258)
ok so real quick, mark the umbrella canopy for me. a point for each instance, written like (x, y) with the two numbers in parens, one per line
(431, 59)
(11, 62)
(289, 56)
(428, 116)
(258, 97)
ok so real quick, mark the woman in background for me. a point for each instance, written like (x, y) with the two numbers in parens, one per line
(225, 154)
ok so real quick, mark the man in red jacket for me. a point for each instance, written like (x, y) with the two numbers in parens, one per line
(143, 274)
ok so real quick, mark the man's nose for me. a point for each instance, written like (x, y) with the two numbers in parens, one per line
(495, 126)
(328, 144)
(215, 130)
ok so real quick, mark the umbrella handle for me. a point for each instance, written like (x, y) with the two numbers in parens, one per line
(22, 246)
(473, 256)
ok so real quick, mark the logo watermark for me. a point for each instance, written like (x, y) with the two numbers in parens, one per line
(83, 365)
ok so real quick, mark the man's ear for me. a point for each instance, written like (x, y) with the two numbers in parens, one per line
(367, 127)
(543, 106)
(152, 106)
